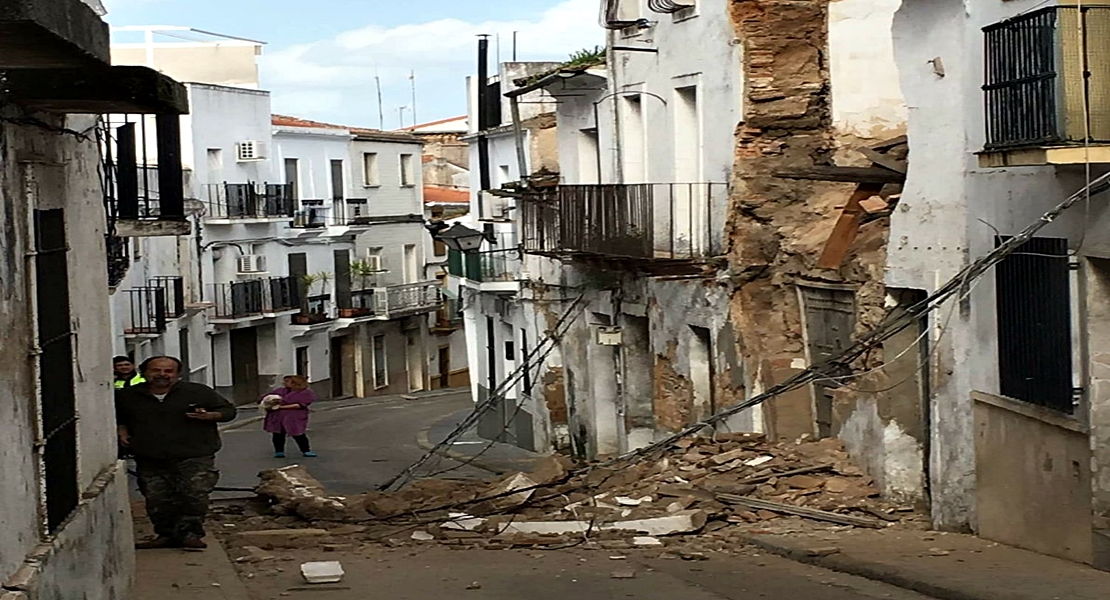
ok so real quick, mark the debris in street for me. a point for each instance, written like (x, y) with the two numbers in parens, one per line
(810, 513)
(474, 586)
(422, 536)
(322, 572)
(646, 541)
(623, 575)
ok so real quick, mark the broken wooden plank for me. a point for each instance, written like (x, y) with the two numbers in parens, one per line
(847, 227)
(801, 471)
(891, 143)
(874, 205)
(799, 511)
(874, 175)
(885, 161)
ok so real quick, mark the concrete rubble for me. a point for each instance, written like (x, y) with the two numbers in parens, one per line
(706, 486)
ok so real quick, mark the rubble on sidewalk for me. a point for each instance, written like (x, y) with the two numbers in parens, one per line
(707, 487)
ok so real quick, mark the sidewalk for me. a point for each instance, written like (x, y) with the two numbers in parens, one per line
(495, 457)
(945, 566)
(180, 575)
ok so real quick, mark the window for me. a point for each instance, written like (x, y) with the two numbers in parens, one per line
(635, 142)
(57, 400)
(215, 165)
(687, 136)
(1034, 324)
(292, 177)
(589, 171)
(302, 361)
(370, 175)
(381, 373)
(408, 174)
(412, 268)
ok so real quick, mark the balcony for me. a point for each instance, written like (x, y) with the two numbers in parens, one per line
(363, 304)
(449, 317)
(496, 266)
(408, 299)
(173, 288)
(1045, 104)
(639, 225)
(143, 181)
(317, 310)
(235, 202)
(146, 314)
(253, 299)
(310, 217)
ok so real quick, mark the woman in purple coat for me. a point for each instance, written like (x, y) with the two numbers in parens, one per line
(290, 417)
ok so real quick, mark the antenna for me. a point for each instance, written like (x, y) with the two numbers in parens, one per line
(412, 78)
(514, 45)
(381, 109)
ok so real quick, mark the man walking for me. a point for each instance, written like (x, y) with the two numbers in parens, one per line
(125, 373)
(171, 428)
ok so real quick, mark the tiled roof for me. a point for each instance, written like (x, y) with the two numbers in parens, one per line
(434, 194)
(434, 123)
(285, 121)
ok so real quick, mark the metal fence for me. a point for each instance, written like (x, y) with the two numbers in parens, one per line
(409, 298)
(1044, 83)
(174, 289)
(677, 221)
(241, 299)
(250, 200)
(146, 314)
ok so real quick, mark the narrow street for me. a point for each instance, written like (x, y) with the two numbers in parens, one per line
(361, 443)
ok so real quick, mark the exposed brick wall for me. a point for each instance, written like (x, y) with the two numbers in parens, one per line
(674, 393)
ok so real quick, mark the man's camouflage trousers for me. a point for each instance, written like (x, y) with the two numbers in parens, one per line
(176, 493)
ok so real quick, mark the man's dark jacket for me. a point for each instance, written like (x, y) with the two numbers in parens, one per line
(159, 428)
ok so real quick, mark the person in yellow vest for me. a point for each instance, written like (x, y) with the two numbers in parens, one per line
(126, 375)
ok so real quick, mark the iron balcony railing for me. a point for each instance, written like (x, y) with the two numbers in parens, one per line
(449, 316)
(363, 304)
(650, 221)
(242, 299)
(140, 168)
(250, 200)
(485, 267)
(409, 298)
(146, 314)
(174, 288)
(310, 218)
(1043, 82)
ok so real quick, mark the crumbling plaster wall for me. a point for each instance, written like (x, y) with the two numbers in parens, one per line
(821, 82)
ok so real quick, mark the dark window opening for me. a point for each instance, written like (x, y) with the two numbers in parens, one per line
(1034, 324)
(57, 400)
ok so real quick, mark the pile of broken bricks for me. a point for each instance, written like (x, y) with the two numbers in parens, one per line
(726, 482)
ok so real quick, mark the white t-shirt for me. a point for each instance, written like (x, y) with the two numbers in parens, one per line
(161, 397)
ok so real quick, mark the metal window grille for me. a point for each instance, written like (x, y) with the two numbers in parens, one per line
(1034, 324)
(57, 401)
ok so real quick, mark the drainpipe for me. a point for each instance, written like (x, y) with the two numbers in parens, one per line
(483, 118)
(622, 399)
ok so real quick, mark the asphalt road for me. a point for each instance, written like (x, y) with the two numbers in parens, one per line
(362, 444)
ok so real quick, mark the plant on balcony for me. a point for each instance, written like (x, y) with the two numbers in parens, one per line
(364, 271)
(307, 317)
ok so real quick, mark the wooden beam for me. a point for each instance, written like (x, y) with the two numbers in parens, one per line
(885, 161)
(847, 227)
(861, 175)
(809, 513)
(891, 143)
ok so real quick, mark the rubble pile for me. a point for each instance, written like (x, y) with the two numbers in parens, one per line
(729, 481)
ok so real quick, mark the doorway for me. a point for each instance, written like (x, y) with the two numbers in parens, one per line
(342, 367)
(414, 357)
(245, 382)
(445, 367)
(701, 373)
(830, 317)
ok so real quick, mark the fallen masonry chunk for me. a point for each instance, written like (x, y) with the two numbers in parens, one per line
(822, 551)
(422, 536)
(762, 460)
(687, 555)
(623, 575)
(463, 522)
(646, 541)
(502, 490)
(728, 457)
(683, 522)
(322, 572)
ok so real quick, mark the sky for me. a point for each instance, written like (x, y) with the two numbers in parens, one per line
(322, 55)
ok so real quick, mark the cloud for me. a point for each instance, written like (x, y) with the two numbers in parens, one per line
(441, 52)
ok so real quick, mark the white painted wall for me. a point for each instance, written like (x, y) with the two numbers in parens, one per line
(314, 150)
(939, 225)
(386, 197)
(867, 96)
(220, 117)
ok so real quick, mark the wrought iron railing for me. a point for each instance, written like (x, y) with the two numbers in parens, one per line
(146, 314)
(363, 304)
(310, 218)
(408, 298)
(250, 200)
(242, 299)
(652, 221)
(449, 316)
(316, 309)
(137, 186)
(1042, 82)
(174, 288)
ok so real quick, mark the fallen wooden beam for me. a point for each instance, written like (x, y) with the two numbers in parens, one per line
(847, 227)
(846, 174)
(802, 471)
(809, 513)
(886, 161)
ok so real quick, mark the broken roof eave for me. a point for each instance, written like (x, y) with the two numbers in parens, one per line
(558, 76)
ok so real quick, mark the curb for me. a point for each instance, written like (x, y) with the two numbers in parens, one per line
(842, 564)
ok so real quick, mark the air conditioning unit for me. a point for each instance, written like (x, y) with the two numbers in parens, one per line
(495, 208)
(252, 264)
(250, 150)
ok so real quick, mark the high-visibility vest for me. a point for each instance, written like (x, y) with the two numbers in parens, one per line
(126, 383)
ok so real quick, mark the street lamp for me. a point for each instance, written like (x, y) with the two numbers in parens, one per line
(462, 238)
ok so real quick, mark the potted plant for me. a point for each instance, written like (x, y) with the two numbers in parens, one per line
(364, 271)
(308, 281)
